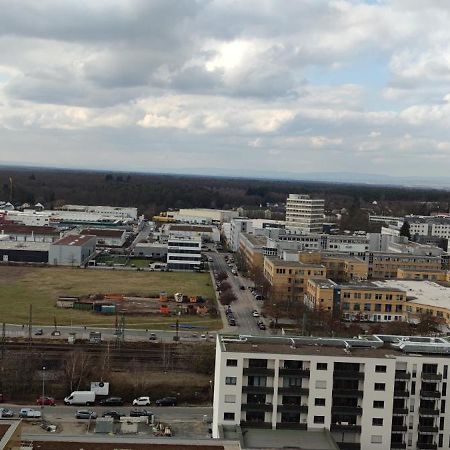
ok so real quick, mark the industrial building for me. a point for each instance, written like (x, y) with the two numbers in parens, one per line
(206, 233)
(24, 252)
(23, 233)
(107, 237)
(184, 253)
(151, 250)
(371, 392)
(72, 250)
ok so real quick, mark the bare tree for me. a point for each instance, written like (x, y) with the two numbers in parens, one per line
(77, 369)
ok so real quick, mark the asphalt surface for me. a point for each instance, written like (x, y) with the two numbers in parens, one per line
(244, 305)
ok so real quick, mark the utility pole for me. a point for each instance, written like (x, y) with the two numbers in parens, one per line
(30, 324)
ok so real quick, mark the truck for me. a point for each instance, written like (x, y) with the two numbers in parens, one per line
(26, 413)
(80, 398)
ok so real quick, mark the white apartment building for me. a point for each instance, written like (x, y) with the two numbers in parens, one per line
(184, 253)
(372, 392)
(305, 213)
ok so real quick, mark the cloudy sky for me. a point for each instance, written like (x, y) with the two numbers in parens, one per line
(268, 86)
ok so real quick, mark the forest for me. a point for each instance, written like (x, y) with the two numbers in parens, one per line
(153, 193)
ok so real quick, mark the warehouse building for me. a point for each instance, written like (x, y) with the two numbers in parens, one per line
(371, 392)
(107, 237)
(24, 252)
(23, 233)
(72, 250)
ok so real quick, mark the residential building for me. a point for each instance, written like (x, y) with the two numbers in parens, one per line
(184, 253)
(107, 237)
(432, 275)
(72, 250)
(288, 279)
(371, 393)
(22, 233)
(305, 213)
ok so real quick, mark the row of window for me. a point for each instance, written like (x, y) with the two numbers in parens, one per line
(372, 307)
(368, 296)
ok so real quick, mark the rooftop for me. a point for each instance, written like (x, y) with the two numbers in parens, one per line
(282, 263)
(256, 241)
(106, 232)
(12, 228)
(363, 285)
(6, 244)
(74, 240)
(421, 292)
(200, 229)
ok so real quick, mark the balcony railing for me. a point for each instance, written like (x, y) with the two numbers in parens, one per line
(398, 445)
(292, 408)
(399, 428)
(401, 393)
(304, 373)
(346, 410)
(262, 371)
(291, 426)
(254, 424)
(430, 394)
(402, 375)
(349, 446)
(347, 393)
(431, 376)
(426, 446)
(257, 407)
(345, 427)
(257, 390)
(347, 375)
(293, 390)
(399, 411)
(427, 429)
(428, 412)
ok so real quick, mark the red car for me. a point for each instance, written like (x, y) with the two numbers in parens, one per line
(50, 401)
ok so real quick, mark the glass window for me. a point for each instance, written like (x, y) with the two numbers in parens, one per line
(378, 404)
(322, 366)
(228, 416)
(380, 386)
(380, 368)
(377, 422)
(319, 401)
(230, 380)
(319, 419)
(232, 362)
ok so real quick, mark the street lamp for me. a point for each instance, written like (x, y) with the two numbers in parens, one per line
(43, 388)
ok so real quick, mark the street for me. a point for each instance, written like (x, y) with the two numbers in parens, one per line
(244, 305)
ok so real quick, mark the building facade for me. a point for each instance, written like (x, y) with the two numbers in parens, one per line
(305, 213)
(184, 253)
(107, 237)
(72, 250)
(372, 393)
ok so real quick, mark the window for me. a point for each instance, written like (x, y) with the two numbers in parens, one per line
(230, 380)
(398, 308)
(388, 307)
(443, 406)
(376, 439)
(346, 306)
(231, 362)
(255, 380)
(378, 307)
(319, 402)
(378, 404)
(366, 306)
(230, 399)
(321, 384)
(319, 419)
(228, 416)
(322, 366)
(356, 307)
(380, 369)
(380, 386)
(444, 375)
(377, 422)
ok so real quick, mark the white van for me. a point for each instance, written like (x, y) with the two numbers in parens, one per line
(80, 398)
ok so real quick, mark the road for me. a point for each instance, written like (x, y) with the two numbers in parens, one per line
(244, 305)
(163, 413)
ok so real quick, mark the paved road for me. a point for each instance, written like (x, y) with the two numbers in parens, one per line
(163, 413)
(246, 303)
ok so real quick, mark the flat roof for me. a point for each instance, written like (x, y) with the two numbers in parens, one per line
(421, 292)
(258, 241)
(74, 240)
(107, 232)
(201, 229)
(320, 282)
(6, 244)
(13, 228)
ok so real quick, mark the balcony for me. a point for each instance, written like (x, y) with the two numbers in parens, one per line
(428, 412)
(346, 410)
(292, 408)
(398, 445)
(347, 393)
(402, 375)
(304, 373)
(399, 428)
(291, 426)
(259, 371)
(347, 375)
(349, 445)
(257, 407)
(401, 393)
(253, 424)
(426, 446)
(293, 390)
(430, 394)
(400, 411)
(426, 429)
(431, 376)
(257, 390)
(345, 427)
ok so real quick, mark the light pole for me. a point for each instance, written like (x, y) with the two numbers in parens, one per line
(43, 389)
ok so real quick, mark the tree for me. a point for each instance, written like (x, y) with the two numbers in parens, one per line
(227, 297)
(428, 325)
(225, 286)
(405, 230)
(221, 276)
(77, 369)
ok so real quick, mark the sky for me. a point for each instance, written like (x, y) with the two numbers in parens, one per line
(232, 86)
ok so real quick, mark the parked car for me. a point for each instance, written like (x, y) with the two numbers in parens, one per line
(39, 332)
(153, 337)
(47, 401)
(166, 401)
(26, 413)
(261, 326)
(6, 412)
(141, 401)
(140, 413)
(85, 414)
(112, 401)
(114, 414)
(242, 288)
(255, 313)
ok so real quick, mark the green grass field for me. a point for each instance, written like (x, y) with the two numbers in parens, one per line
(40, 287)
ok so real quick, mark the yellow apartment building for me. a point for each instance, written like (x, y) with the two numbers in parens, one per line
(251, 248)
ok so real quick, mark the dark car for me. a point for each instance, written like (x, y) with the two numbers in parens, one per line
(242, 288)
(140, 413)
(112, 401)
(114, 414)
(39, 332)
(166, 401)
(85, 414)
(261, 326)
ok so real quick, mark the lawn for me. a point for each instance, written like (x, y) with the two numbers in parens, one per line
(40, 287)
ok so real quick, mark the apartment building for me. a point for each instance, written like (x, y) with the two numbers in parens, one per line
(372, 392)
(288, 279)
(253, 249)
(432, 275)
(184, 253)
(438, 226)
(305, 213)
